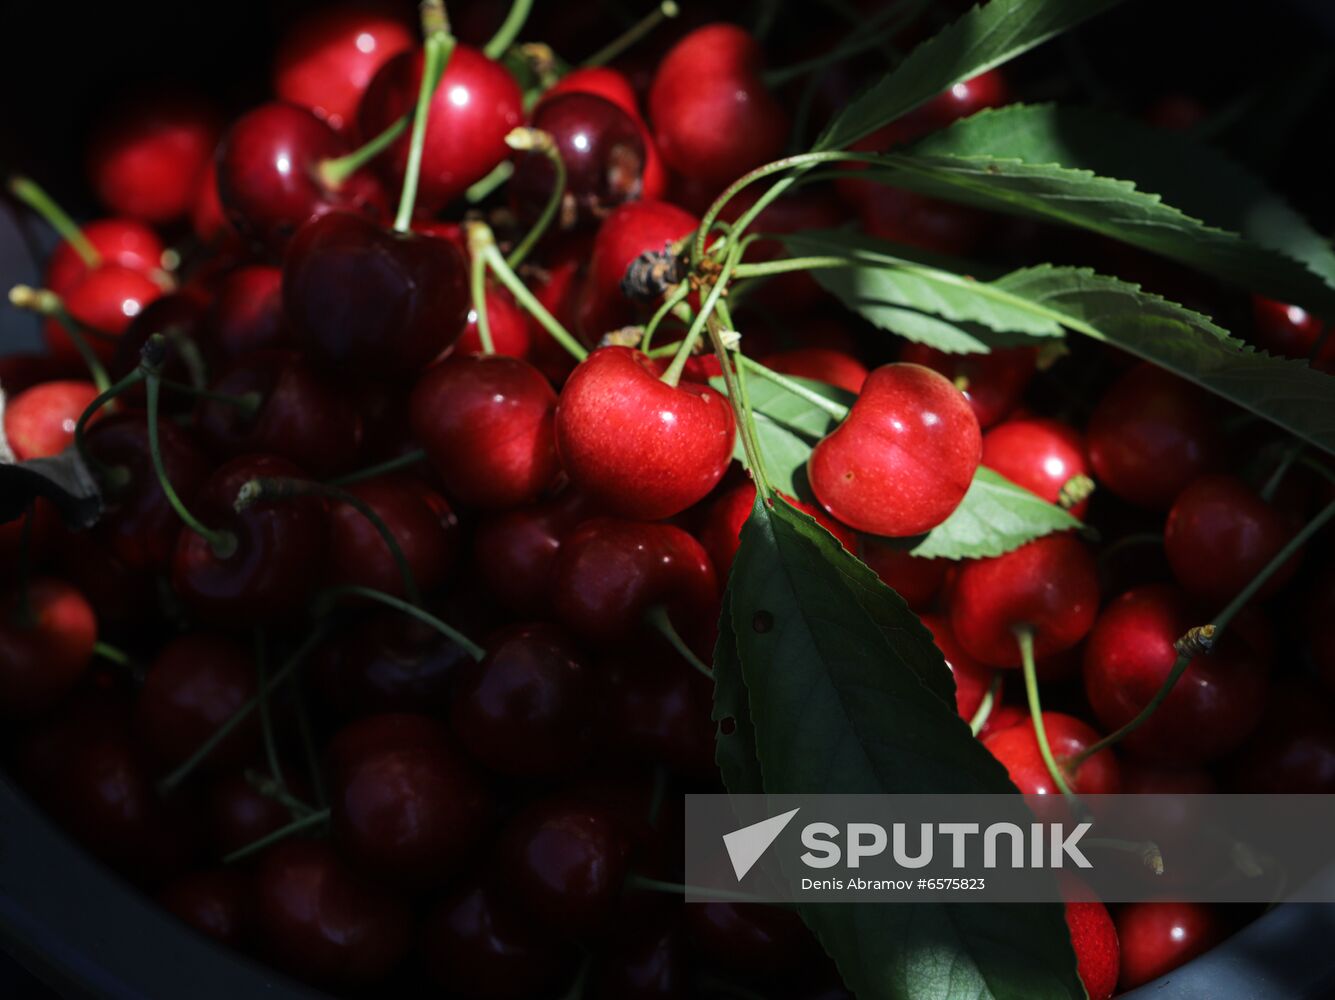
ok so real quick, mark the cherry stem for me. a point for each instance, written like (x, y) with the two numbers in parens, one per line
(45, 302)
(745, 420)
(1147, 850)
(437, 49)
(99, 401)
(248, 402)
(282, 488)
(482, 190)
(509, 29)
(111, 653)
(183, 770)
(31, 194)
(326, 598)
(1272, 484)
(282, 833)
(674, 297)
(334, 172)
(308, 742)
(667, 9)
(536, 140)
(1075, 491)
(266, 716)
(477, 283)
(404, 461)
(507, 277)
(743, 390)
(659, 619)
(644, 883)
(836, 410)
(985, 706)
(271, 788)
(1202, 638)
(1024, 635)
(673, 374)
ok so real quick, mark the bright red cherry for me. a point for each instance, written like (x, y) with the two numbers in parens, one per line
(636, 445)
(1212, 708)
(247, 311)
(148, 159)
(1049, 585)
(104, 301)
(326, 60)
(713, 117)
(1041, 455)
(44, 652)
(420, 521)
(916, 580)
(486, 422)
(822, 364)
(1017, 749)
(120, 242)
(216, 903)
(972, 679)
(474, 108)
(1157, 938)
(993, 383)
(721, 531)
(39, 422)
(509, 325)
(612, 85)
(1220, 534)
(903, 458)
(1094, 939)
(1150, 435)
(514, 551)
(1285, 329)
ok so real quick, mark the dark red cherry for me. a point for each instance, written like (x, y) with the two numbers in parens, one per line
(474, 108)
(612, 85)
(119, 596)
(903, 458)
(215, 902)
(992, 383)
(916, 220)
(509, 325)
(269, 175)
(1285, 329)
(486, 423)
(420, 521)
(44, 652)
(525, 708)
(635, 444)
(1220, 534)
(208, 219)
(822, 364)
(280, 548)
(187, 354)
(749, 938)
(247, 311)
(1048, 585)
(124, 243)
(916, 580)
(1293, 751)
(812, 208)
(327, 58)
(1041, 455)
(238, 814)
(321, 921)
(713, 117)
(1157, 938)
(405, 806)
(1150, 435)
(1212, 708)
(972, 679)
(104, 301)
(644, 959)
(39, 422)
(1017, 749)
(655, 707)
(515, 550)
(721, 532)
(1094, 939)
(368, 300)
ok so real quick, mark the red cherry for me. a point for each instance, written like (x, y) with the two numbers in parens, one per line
(178, 315)
(509, 325)
(1048, 585)
(514, 551)
(39, 422)
(972, 679)
(247, 311)
(612, 85)
(644, 959)
(822, 364)
(557, 288)
(216, 902)
(721, 532)
(992, 383)
(1040, 455)
(326, 60)
(916, 220)
(147, 160)
(1293, 751)
(637, 445)
(1140, 778)
(118, 242)
(120, 597)
(1150, 435)
(322, 922)
(1017, 749)
(269, 175)
(43, 655)
(656, 708)
(1220, 534)
(208, 219)
(750, 939)
(104, 301)
(405, 806)
(474, 108)
(1212, 708)
(420, 521)
(238, 814)
(1285, 329)
(1094, 939)
(916, 580)
(486, 422)
(903, 458)
(1157, 938)
(713, 117)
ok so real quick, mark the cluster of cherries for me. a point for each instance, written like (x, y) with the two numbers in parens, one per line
(333, 451)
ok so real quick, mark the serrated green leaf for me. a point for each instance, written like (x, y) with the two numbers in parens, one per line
(838, 671)
(994, 517)
(984, 37)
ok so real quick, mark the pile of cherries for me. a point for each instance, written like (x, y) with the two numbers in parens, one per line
(386, 660)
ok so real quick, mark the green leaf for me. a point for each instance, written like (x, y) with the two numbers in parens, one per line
(845, 697)
(994, 517)
(984, 37)
(735, 748)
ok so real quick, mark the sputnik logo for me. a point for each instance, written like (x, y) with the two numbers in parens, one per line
(745, 846)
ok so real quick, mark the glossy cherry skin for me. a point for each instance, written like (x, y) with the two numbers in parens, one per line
(972, 679)
(39, 422)
(509, 325)
(1157, 938)
(822, 364)
(1150, 435)
(525, 708)
(215, 902)
(1212, 708)
(238, 814)
(1220, 534)
(321, 921)
(327, 58)
(124, 243)
(1094, 939)
(247, 311)
(1285, 329)
(105, 301)
(903, 457)
(268, 175)
(474, 108)
(992, 383)
(514, 551)
(196, 683)
(405, 806)
(1017, 749)
(1040, 455)
(420, 521)
(721, 532)
(137, 524)
(1293, 751)
(564, 862)
(612, 85)
(486, 423)
(477, 944)
(1049, 585)
(42, 658)
(147, 160)
(365, 299)
(713, 117)
(916, 580)
(602, 151)
(280, 553)
(635, 444)
(748, 938)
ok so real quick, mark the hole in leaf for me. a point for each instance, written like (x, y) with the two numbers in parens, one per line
(762, 621)
(727, 726)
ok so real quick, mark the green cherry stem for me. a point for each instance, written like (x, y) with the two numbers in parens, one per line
(483, 188)
(437, 48)
(1024, 635)
(405, 461)
(282, 833)
(673, 373)
(111, 654)
(536, 140)
(660, 621)
(477, 286)
(507, 277)
(665, 10)
(836, 410)
(326, 598)
(335, 172)
(45, 302)
(509, 30)
(99, 401)
(646, 884)
(674, 297)
(1291, 455)
(743, 390)
(270, 789)
(248, 402)
(986, 706)
(745, 420)
(266, 714)
(32, 195)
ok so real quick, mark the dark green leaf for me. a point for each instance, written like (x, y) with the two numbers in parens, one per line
(734, 736)
(994, 517)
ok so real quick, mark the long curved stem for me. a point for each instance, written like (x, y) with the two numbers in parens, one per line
(986, 706)
(453, 634)
(31, 194)
(646, 24)
(524, 138)
(45, 302)
(836, 410)
(659, 620)
(334, 173)
(507, 277)
(477, 286)
(745, 425)
(266, 715)
(282, 833)
(509, 29)
(677, 295)
(438, 47)
(1024, 635)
